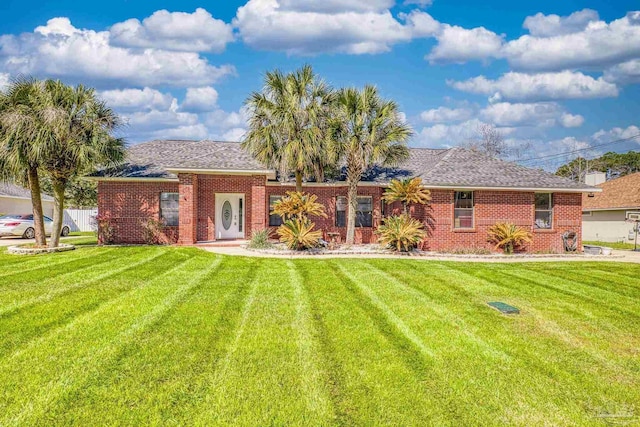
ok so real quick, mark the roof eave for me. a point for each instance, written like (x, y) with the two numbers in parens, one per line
(269, 173)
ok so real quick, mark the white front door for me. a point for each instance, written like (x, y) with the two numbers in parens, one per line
(229, 216)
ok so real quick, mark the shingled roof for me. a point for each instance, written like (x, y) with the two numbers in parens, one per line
(620, 193)
(11, 190)
(453, 167)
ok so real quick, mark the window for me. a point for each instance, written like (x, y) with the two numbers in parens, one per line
(463, 209)
(169, 208)
(364, 211)
(274, 220)
(341, 211)
(240, 213)
(544, 210)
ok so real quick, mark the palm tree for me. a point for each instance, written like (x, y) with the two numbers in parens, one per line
(288, 123)
(367, 130)
(21, 143)
(79, 127)
(407, 191)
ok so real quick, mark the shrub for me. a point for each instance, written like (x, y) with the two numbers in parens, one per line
(401, 233)
(508, 236)
(105, 230)
(298, 205)
(407, 191)
(260, 239)
(153, 232)
(298, 234)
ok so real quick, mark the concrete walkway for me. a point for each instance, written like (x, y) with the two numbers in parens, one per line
(15, 241)
(617, 256)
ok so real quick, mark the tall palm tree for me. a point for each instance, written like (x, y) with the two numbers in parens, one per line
(288, 123)
(367, 130)
(80, 130)
(407, 191)
(21, 142)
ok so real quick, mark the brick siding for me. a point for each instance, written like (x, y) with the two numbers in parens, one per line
(129, 204)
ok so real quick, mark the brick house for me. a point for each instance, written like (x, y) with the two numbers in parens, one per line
(206, 191)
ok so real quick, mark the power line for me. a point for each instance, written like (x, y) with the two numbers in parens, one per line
(591, 147)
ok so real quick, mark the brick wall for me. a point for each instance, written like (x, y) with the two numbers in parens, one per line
(129, 203)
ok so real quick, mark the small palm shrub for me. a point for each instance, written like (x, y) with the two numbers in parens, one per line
(407, 191)
(298, 205)
(260, 239)
(508, 236)
(401, 233)
(298, 234)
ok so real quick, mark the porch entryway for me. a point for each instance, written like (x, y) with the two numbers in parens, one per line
(230, 216)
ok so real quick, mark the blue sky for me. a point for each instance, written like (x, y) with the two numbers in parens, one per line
(555, 76)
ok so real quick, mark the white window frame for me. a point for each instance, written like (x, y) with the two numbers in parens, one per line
(176, 210)
(472, 209)
(549, 209)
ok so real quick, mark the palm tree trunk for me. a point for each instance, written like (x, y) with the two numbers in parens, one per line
(352, 201)
(59, 186)
(404, 208)
(299, 181)
(36, 203)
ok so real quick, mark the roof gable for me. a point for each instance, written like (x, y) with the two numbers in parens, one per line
(11, 190)
(621, 192)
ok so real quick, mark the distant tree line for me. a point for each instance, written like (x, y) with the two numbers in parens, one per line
(613, 164)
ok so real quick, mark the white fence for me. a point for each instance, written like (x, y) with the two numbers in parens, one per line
(80, 219)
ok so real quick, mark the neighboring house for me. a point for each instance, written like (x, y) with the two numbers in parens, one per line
(207, 191)
(17, 200)
(604, 214)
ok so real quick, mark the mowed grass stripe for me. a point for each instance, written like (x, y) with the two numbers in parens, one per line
(19, 327)
(313, 374)
(540, 344)
(96, 276)
(62, 362)
(20, 264)
(25, 273)
(378, 375)
(499, 337)
(570, 320)
(259, 382)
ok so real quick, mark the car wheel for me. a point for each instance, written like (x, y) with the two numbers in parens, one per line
(65, 231)
(29, 233)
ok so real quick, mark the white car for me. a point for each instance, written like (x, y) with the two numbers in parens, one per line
(22, 225)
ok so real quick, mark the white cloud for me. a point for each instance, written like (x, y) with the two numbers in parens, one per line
(599, 45)
(442, 135)
(333, 6)
(541, 114)
(571, 121)
(625, 73)
(145, 121)
(200, 99)
(4, 81)
(540, 25)
(234, 135)
(136, 99)
(61, 50)
(446, 115)
(543, 86)
(194, 32)
(264, 25)
(459, 45)
(617, 133)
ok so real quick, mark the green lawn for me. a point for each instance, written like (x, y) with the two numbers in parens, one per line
(178, 336)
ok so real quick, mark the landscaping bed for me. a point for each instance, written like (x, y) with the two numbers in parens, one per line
(374, 249)
(31, 249)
